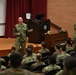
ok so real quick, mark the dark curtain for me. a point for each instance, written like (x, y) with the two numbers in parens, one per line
(17, 8)
(14, 9)
(39, 7)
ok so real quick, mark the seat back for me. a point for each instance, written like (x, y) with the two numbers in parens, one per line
(6, 58)
(46, 54)
(29, 64)
(38, 68)
(52, 72)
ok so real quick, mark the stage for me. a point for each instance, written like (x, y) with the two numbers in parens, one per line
(7, 43)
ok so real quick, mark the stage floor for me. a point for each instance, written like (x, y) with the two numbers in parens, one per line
(7, 43)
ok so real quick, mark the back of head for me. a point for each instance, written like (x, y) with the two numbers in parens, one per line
(70, 63)
(29, 51)
(63, 47)
(13, 48)
(30, 46)
(43, 44)
(38, 56)
(15, 60)
(52, 59)
(68, 41)
(58, 46)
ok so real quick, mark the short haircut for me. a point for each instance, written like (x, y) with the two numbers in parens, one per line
(68, 40)
(15, 59)
(52, 59)
(57, 46)
(30, 46)
(63, 47)
(70, 62)
(43, 44)
(13, 48)
(29, 51)
(38, 56)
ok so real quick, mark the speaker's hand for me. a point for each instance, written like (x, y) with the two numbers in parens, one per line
(30, 30)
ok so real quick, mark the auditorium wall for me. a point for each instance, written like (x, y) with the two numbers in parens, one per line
(63, 14)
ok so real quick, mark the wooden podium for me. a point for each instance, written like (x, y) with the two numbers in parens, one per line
(56, 38)
(39, 30)
(53, 39)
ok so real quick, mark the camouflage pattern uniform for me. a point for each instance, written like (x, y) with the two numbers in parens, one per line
(59, 73)
(61, 56)
(56, 53)
(27, 59)
(75, 37)
(69, 48)
(37, 64)
(15, 71)
(62, 72)
(43, 50)
(20, 40)
(50, 67)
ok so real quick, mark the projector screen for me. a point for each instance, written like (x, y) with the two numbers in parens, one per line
(2, 11)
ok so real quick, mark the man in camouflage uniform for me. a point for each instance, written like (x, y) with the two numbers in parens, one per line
(20, 31)
(75, 37)
(29, 56)
(52, 66)
(68, 45)
(57, 50)
(15, 63)
(43, 48)
(61, 56)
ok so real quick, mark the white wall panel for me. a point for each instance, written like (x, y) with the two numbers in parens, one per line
(2, 16)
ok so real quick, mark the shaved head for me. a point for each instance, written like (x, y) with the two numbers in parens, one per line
(20, 20)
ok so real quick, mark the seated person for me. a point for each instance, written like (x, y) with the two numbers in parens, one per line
(69, 66)
(52, 66)
(68, 45)
(15, 63)
(29, 52)
(57, 48)
(62, 53)
(38, 61)
(13, 49)
(43, 48)
(29, 56)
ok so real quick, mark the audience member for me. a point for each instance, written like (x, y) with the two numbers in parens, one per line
(73, 53)
(43, 48)
(69, 66)
(62, 53)
(29, 57)
(52, 66)
(38, 61)
(13, 49)
(15, 63)
(57, 50)
(68, 43)
(75, 37)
